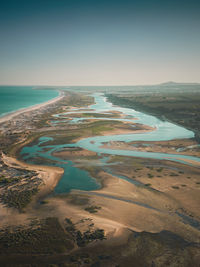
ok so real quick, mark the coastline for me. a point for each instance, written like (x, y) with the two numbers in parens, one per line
(49, 175)
(13, 114)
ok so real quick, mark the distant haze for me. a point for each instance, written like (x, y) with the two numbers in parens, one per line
(92, 42)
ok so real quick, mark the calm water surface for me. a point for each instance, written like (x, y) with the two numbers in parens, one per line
(75, 178)
(13, 98)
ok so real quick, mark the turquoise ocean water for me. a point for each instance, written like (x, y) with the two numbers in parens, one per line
(13, 98)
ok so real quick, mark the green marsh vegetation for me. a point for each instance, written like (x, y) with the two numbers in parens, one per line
(18, 199)
(10, 142)
(90, 129)
(180, 106)
(97, 115)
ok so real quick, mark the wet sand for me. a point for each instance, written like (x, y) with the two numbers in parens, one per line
(125, 206)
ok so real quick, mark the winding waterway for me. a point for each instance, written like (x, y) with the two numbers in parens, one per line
(75, 178)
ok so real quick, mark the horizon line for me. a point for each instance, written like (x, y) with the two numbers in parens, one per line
(113, 85)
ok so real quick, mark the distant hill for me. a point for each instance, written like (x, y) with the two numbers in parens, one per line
(170, 83)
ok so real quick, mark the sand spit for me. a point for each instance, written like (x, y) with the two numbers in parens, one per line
(49, 175)
(186, 146)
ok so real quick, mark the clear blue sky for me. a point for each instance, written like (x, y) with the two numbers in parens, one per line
(92, 42)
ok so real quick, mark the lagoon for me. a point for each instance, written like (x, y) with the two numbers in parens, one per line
(75, 178)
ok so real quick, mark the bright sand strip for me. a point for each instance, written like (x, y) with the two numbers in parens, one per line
(168, 147)
(25, 110)
(120, 210)
(118, 131)
(50, 177)
(192, 162)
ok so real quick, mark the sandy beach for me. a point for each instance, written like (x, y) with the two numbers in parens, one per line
(12, 115)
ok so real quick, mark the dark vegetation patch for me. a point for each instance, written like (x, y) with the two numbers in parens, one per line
(10, 180)
(82, 239)
(41, 161)
(78, 200)
(150, 175)
(183, 109)
(159, 249)
(175, 187)
(18, 199)
(95, 115)
(18, 186)
(147, 184)
(45, 236)
(80, 130)
(92, 209)
(141, 249)
(173, 174)
(45, 240)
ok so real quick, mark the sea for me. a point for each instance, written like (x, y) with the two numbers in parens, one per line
(13, 98)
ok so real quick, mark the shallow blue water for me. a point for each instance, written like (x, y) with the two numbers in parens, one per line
(75, 178)
(13, 98)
